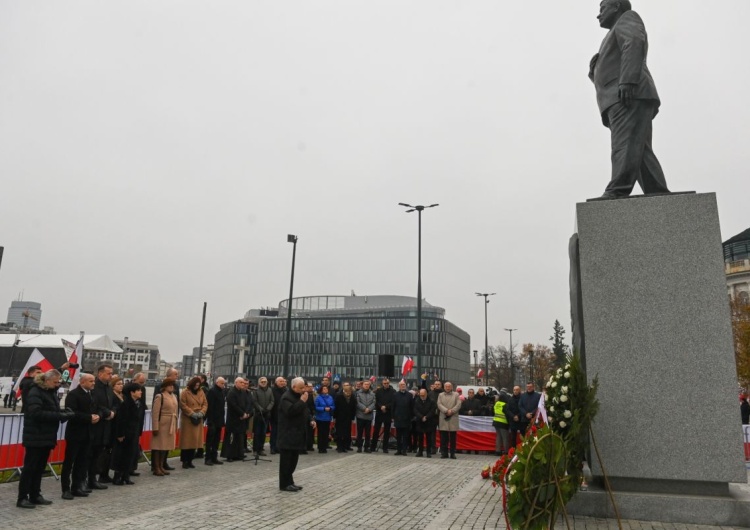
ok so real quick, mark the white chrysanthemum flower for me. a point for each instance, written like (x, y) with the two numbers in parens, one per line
(567, 414)
(512, 489)
(563, 398)
(559, 371)
(563, 424)
(554, 384)
(567, 375)
(564, 390)
(552, 409)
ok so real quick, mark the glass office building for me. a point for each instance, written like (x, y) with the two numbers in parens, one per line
(359, 337)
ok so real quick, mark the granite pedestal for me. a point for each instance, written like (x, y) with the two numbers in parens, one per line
(653, 303)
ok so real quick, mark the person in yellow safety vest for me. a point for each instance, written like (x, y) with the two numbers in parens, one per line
(500, 422)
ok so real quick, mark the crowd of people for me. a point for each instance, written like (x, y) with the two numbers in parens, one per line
(105, 419)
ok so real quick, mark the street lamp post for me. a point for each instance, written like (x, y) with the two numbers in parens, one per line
(476, 378)
(512, 377)
(486, 342)
(418, 208)
(290, 239)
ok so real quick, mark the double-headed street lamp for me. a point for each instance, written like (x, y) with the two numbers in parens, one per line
(486, 342)
(289, 239)
(418, 208)
(512, 378)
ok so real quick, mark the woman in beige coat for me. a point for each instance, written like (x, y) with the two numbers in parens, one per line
(448, 403)
(193, 405)
(163, 426)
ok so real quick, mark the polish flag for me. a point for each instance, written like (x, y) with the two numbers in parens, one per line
(35, 359)
(407, 366)
(372, 378)
(75, 358)
(480, 373)
(328, 374)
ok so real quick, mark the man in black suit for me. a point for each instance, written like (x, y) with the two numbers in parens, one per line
(236, 431)
(215, 421)
(294, 419)
(78, 438)
(627, 99)
(139, 379)
(103, 403)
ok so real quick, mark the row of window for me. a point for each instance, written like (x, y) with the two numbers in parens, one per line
(353, 324)
(329, 338)
(372, 348)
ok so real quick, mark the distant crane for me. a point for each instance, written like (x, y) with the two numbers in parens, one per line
(26, 316)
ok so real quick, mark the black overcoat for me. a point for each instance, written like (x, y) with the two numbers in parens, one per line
(294, 417)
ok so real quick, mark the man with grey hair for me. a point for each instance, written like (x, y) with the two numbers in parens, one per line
(234, 440)
(263, 402)
(627, 100)
(78, 438)
(215, 421)
(294, 418)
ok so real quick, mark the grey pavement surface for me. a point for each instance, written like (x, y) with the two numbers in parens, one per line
(377, 490)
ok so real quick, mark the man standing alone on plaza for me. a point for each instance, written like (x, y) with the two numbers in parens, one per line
(294, 418)
(449, 404)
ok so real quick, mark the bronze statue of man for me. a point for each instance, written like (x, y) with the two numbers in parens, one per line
(627, 99)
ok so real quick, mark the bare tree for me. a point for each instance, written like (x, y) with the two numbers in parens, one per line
(539, 363)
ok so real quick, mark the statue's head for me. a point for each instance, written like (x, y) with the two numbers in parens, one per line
(611, 10)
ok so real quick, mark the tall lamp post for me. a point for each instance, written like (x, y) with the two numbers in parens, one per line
(418, 208)
(476, 378)
(289, 239)
(512, 377)
(486, 342)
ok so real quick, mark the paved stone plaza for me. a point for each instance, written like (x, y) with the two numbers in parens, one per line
(340, 491)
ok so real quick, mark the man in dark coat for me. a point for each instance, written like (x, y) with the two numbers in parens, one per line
(263, 403)
(383, 414)
(294, 418)
(403, 412)
(437, 389)
(215, 421)
(425, 417)
(41, 422)
(745, 411)
(234, 440)
(279, 387)
(513, 413)
(344, 414)
(101, 432)
(310, 432)
(139, 379)
(78, 438)
(527, 404)
(471, 405)
(25, 385)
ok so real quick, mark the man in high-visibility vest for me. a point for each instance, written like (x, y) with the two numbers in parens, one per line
(500, 422)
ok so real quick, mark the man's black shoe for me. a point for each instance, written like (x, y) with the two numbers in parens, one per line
(79, 493)
(104, 479)
(24, 503)
(290, 489)
(298, 487)
(135, 474)
(67, 496)
(443, 456)
(453, 457)
(41, 501)
(208, 463)
(84, 487)
(97, 486)
(303, 452)
(359, 449)
(217, 462)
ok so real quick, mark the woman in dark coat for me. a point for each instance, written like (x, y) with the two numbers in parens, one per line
(127, 422)
(41, 420)
(344, 414)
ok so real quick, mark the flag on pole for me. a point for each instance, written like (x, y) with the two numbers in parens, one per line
(372, 378)
(480, 373)
(407, 365)
(35, 359)
(328, 374)
(75, 358)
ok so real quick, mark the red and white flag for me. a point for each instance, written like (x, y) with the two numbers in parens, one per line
(407, 366)
(35, 359)
(480, 373)
(328, 374)
(74, 374)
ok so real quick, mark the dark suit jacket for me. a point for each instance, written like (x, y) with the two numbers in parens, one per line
(622, 60)
(104, 402)
(216, 401)
(294, 417)
(236, 408)
(79, 427)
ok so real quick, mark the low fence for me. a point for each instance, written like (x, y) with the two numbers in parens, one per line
(474, 434)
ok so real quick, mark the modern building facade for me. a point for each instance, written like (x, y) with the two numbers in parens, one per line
(234, 349)
(737, 266)
(25, 315)
(137, 356)
(357, 337)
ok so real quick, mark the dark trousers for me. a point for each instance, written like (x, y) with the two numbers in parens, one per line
(274, 434)
(402, 439)
(363, 428)
(324, 431)
(428, 437)
(343, 435)
(515, 430)
(633, 159)
(234, 445)
(34, 462)
(187, 455)
(260, 427)
(448, 442)
(287, 464)
(213, 439)
(309, 436)
(137, 456)
(382, 419)
(76, 463)
(433, 447)
(96, 457)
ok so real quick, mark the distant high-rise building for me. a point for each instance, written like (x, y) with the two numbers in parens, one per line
(737, 266)
(25, 315)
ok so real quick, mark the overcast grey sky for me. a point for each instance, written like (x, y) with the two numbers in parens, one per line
(155, 154)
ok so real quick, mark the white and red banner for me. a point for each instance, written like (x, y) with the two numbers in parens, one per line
(35, 359)
(480, 373)
(407, 365)
(74, 374)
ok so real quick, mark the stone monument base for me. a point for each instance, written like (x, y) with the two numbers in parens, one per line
(730, 510)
